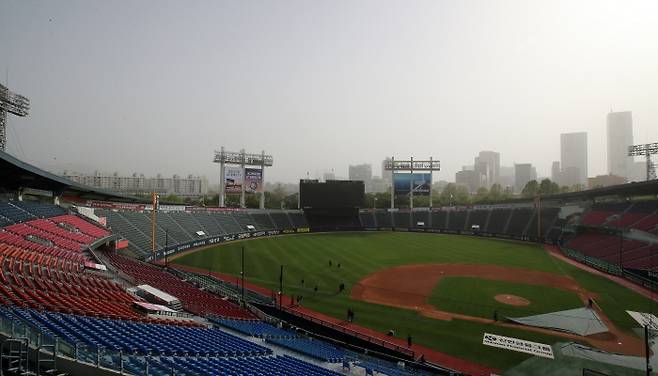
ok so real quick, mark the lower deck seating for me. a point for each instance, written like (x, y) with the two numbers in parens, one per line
(193, 299)
(315, 349)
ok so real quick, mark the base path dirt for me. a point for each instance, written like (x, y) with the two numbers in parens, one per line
(512, 300)
(409, 287)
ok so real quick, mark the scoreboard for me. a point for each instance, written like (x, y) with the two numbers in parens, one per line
(332, 194)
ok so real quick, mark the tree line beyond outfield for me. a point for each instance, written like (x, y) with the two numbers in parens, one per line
(446, 195)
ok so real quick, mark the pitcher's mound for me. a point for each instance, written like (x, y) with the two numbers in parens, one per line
(512, 300)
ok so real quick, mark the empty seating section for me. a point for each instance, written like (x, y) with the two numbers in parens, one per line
(262, 221)
(15, 242)
(498, 221)
(40, 210)
(478, 218)
(298, 220)
(145, 338)
(175, 232)
(315, 349)
(208, 221)
(261, 365)
(439, 219)
(26, 231)
(367, 219)
(254, 328)
(402, 219)
(223, 288)
(609, 248)
(596, 218)
(194, 300)
(547, 218)
(143, 223)
(624, 220)
(520, 221)
(384, 219)
(457, 219)
(244, 219)
(139, 241)
(81, 225)
(421, 216)
(189, 223)
(14, 214)
(228, 223)
(54, 228)
(281, 220)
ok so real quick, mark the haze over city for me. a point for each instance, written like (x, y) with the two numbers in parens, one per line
(156, 87)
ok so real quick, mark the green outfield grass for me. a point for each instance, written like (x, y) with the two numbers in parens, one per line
(359, 254)
(449, 295)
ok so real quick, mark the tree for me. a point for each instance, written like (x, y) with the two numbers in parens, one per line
(482, 194)
(531, 188)
(547, 187)
(495, 193)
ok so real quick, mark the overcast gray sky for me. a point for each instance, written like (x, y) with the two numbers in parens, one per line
(153, 86)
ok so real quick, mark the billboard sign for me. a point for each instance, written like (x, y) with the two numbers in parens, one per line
(520, 345)
(253, 180)
(419, 182)
(232, 179)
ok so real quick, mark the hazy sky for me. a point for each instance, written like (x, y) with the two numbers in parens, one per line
(158, 86)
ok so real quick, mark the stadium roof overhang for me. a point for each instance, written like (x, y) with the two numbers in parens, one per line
(16, 174)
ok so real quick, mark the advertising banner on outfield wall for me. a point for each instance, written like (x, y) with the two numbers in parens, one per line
(520, 345)
(253, 180)
(233, 179)
(420, 183)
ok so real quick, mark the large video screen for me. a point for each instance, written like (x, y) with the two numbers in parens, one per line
(419, 182)
(333, 194)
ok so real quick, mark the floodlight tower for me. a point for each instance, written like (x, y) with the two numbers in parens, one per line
(14, 104)
(646, 150)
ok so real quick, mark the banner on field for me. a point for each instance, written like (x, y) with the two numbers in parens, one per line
(645, 319)
(519, 345)
(420, 183)
(232, 179)
(253, 180)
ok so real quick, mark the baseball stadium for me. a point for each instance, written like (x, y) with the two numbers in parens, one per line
(94, 282)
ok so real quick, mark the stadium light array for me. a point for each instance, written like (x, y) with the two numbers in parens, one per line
(11, 103)
(645, 150)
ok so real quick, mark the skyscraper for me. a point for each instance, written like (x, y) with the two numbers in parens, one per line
(523, 173)
(489, 162)
(555, 172)
(573, 158)
(362, 172)
(620, 137)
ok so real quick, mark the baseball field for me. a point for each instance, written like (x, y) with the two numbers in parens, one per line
(443, 290)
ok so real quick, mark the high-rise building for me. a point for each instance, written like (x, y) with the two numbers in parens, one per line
(387, 175)
(573, 158)
(489, 162)
(190, 186)
(469, 178)
(620, 137)
(523, 173)
(362, 172)
(555, 172)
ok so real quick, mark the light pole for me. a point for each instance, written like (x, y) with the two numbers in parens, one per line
(374, 203)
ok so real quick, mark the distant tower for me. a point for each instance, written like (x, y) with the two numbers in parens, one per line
(573, 158)
(620, 137)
